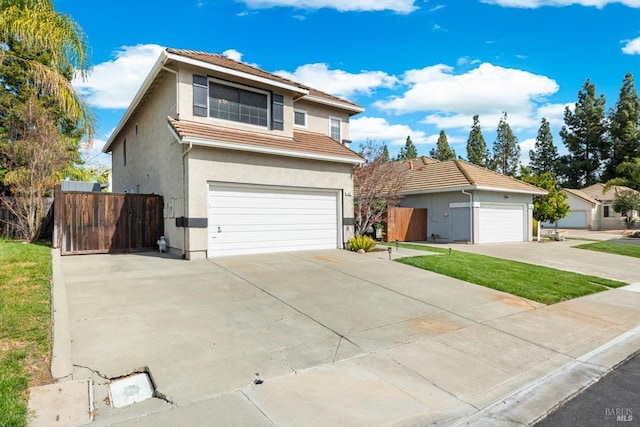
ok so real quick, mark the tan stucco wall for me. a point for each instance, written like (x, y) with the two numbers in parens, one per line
(186, 103)
(318, 117)
(207, 165)
(154, 158)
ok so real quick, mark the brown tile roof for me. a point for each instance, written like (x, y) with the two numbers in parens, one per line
(581, 194)
(432, 176)
(303, 144)
(595, 191)
(223, 61)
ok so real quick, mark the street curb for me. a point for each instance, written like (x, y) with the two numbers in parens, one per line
(539, 398)
(61, 367)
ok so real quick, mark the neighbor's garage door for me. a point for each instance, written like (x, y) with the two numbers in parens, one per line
(574, 219)
(501, 224)
(250, 219)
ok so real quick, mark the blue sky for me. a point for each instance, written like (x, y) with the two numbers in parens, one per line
(416, 66)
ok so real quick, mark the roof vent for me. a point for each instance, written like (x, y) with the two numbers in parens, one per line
(410, 164)
(346, 142)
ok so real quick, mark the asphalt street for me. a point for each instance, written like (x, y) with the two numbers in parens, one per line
(612, 401)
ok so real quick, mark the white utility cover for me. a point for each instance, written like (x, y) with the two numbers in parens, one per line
(501, 224)
(129, 390)
(252, 219)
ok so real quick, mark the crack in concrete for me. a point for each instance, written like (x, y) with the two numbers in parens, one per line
(98, 373)
(246, 396)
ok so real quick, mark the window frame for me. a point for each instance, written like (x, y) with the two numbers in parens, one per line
(306, 117)
(606, 211)
(339, 120)
(268, 94)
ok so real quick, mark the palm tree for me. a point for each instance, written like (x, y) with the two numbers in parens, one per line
(36, 26)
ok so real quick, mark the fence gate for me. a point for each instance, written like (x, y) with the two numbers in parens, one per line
(406, 224)
(86, 223)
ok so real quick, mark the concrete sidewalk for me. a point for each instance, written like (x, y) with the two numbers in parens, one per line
(336, 338)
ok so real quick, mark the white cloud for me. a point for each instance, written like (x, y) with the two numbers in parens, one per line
(381, 131)
(113, 84)
(339, 82)
(233, 54)
(398, 6)
(451, 99)
(554, 113)
(632, 47)
(533, 4)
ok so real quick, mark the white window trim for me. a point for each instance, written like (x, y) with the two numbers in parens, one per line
(306, 118)
(339, 119)
(248, 89)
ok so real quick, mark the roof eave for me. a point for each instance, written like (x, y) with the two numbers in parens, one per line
(355, 109)
(237, 73)
(476, 188)
(155, 70)
(213, 143)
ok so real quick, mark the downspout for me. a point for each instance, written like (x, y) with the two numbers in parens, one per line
(184, 198)
(471, 234)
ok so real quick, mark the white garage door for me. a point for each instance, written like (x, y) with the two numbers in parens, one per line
(501, 224)
(574, 219)
(249, 219)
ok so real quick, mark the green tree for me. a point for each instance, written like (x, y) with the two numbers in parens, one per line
(628, 175)
(624, 127)
(443, 151)
(385, 153)
(506, 151)
(477, 152)
(37, 27)
(409, 151)
(584, 135)
(544, 157)
(552, 206)
(626, 203)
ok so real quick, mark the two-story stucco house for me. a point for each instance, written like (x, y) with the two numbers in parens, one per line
(247, 161)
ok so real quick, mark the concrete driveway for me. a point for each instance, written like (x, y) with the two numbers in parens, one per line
(336, 338)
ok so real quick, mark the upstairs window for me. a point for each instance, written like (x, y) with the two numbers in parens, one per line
(237, 103)
(334, 128)
(300, 118)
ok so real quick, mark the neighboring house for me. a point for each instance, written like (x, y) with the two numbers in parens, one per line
(590, 208)
(582, 211)
(468, 203)
(247, 161)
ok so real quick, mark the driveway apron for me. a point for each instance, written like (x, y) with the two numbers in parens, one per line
(325, 338)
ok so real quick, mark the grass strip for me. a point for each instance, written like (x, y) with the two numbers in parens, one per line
(25, 326)
(537, 283)
(626, 249)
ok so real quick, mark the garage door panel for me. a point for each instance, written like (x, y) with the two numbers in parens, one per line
(257, 220)
(268, 220)
(501, 224)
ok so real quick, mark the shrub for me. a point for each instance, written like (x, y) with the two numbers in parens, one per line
(362, 242)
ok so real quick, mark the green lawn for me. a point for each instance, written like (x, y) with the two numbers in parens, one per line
(542, 284)
(625, 249)
(25, 326)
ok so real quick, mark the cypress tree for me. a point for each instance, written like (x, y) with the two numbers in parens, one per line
(544, 157)
(476, 147)
(506, 151)
(443, 151)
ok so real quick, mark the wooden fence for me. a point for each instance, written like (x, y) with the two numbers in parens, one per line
(406, 224)
(106, 222)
